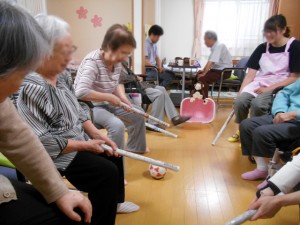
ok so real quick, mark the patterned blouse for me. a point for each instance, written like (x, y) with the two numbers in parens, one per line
(54, 114)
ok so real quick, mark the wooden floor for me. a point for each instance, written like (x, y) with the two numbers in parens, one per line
(207, 191)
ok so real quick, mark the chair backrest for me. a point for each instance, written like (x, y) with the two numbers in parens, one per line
(241, 64)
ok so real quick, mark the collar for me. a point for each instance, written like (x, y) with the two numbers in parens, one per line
(215, 45)
(149, 40)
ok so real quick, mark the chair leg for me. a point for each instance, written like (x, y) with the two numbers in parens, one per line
(219, 92)
(212, 89)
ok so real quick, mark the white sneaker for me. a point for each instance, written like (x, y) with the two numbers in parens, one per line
(127, 207)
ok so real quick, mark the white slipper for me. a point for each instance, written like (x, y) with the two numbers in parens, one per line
(127, 207)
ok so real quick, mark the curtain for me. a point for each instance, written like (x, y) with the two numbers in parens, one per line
(274, 7)
(238, 23)
(198, 21)
(34, 6)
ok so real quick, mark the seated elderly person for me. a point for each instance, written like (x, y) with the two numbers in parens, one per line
(48, 103)
(219, 59)
(260, 135)
(21, 203)
(158, 95)
(97, 80)
(268, 202)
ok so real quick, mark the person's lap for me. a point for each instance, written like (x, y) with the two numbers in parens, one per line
(31, 209)
(263, 132)
(102, 177)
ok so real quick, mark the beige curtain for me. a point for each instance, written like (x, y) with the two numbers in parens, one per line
(198, 21)
(274, 7)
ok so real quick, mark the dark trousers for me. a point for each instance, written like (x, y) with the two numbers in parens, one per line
(165, 79)
(211, 77)
(102, 178)
(260, 136)
(97, 175)
(31, 209)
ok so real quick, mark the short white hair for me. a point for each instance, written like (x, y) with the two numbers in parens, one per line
(54, 27)
(211, 35)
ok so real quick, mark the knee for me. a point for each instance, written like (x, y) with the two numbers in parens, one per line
(116, 126)
(245, 125)
(239, 103)
(258, 108)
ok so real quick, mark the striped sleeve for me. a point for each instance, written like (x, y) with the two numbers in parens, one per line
(34, 107)
(85, 77)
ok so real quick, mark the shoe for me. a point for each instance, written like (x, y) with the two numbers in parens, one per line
(262, 184)
(150, 129)
(235, 137)
(180, 119)
(127, 207)
(255, 175)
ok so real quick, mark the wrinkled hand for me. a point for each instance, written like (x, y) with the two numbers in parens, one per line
(72, 200)
(111, 144)
(126, 101)
(266, 206)
(262, 90)
(284, 117)
(94, 146)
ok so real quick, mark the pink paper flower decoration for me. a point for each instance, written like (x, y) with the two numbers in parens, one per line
(97, 21)
(81, 12)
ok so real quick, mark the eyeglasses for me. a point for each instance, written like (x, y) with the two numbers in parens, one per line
(68, 52)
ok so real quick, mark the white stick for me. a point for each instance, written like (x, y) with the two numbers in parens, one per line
(142, 158)
(145, 114)
(242, 218)
(161, 130)
(223, 128)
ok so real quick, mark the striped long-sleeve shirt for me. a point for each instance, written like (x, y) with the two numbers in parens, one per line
(54, 114)
(92, 74)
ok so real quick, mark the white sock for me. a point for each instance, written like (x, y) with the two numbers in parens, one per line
(261, 163)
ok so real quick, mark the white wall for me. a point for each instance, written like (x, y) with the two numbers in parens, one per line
(177, 20)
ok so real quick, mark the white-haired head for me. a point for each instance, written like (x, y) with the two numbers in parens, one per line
(54, 27)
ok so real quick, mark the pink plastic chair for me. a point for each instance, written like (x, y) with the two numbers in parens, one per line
(200, 111)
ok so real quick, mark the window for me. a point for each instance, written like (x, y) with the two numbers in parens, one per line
(238, 23)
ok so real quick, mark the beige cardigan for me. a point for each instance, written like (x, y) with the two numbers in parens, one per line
(23, 148)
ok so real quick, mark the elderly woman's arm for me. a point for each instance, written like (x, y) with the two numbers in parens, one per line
(33, 105)
(20, 145)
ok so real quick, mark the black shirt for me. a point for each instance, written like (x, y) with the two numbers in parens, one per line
(294, 50)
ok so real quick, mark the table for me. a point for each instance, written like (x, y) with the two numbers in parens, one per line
(184, 67)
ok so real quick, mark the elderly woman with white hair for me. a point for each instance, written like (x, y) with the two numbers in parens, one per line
(48, 103)
(23, 44)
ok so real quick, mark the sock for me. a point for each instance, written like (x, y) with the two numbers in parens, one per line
(261, 163)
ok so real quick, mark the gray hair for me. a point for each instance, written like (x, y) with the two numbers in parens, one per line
(54, 27)
(22, 41)
(211, 35)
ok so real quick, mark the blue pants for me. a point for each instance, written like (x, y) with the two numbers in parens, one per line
(165, 79)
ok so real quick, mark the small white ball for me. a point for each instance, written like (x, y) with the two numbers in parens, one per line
(157, 172)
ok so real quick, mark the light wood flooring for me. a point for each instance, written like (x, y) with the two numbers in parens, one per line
(207, 191)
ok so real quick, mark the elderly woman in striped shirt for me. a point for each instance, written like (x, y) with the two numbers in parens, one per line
(48, 103)
(97, 80)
